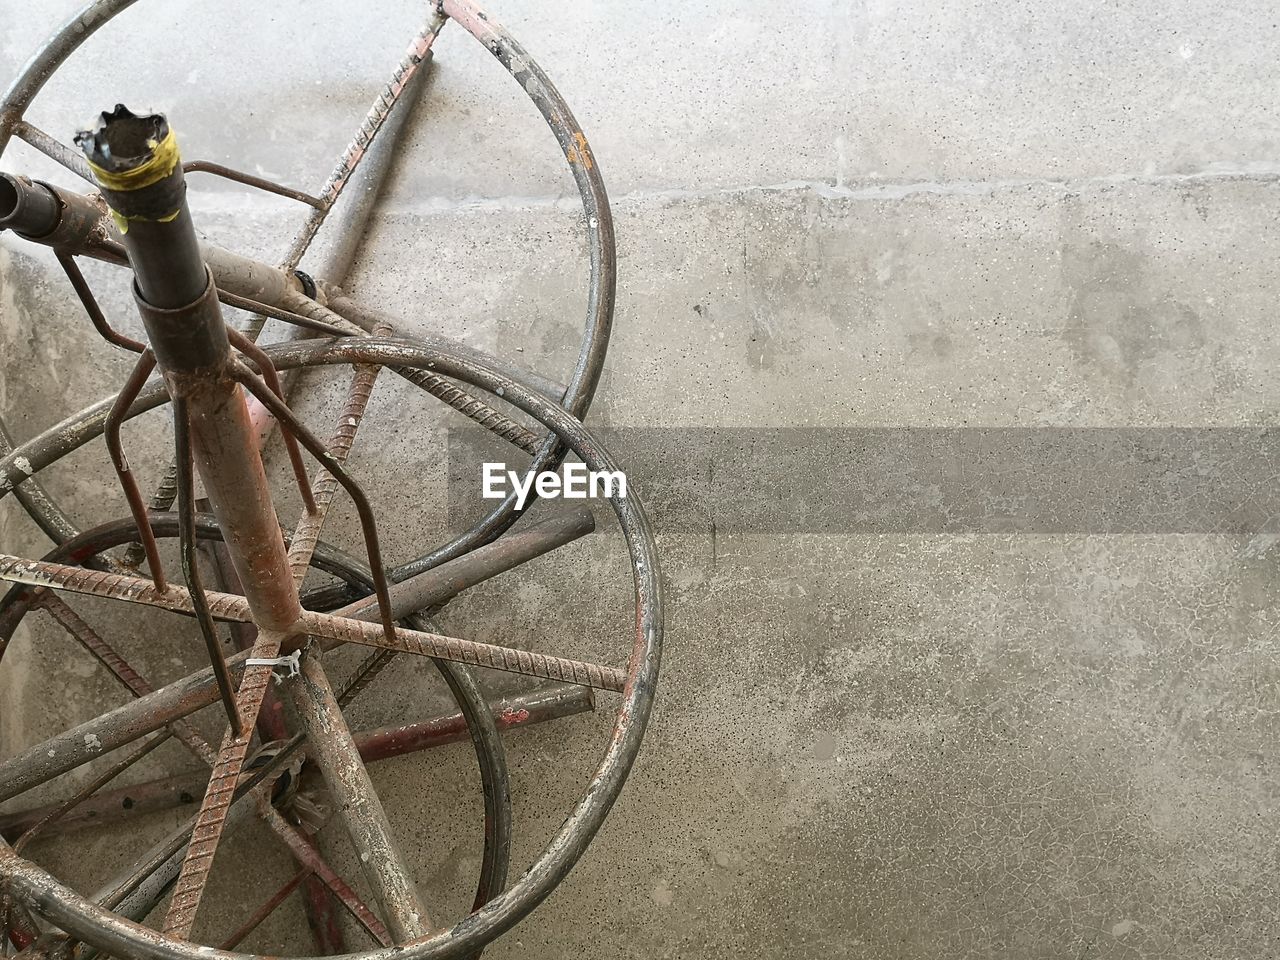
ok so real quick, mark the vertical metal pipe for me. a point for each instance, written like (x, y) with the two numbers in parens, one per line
(191, 568)
(135, 160)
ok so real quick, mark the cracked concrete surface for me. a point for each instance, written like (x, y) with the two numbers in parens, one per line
(895, 744)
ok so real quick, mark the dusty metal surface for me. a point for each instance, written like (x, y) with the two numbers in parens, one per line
(226, 392)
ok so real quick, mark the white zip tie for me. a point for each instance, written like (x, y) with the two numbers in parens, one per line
(291, 661)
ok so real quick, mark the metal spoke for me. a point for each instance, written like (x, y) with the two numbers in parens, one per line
(334, 468)
(53, 148)
(306, 853)
(212, 818)
(111, 434)
(113, 805)
(264, 911)
(191, 569)
(88, 790)
(288, 316)
(357, 802)
(272, 380)
(198, 690)
(90, 304)
(439, 387)
(81, 631)
(249, 180)
(105, 654)
(359, 146)
(552, 702)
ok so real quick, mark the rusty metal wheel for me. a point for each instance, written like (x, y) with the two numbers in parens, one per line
(209, 372)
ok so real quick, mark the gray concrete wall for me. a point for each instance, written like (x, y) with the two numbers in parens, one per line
(989, 214)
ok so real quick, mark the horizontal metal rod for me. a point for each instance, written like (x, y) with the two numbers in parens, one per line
(249, 180)
(110, 731)
(184, 697)
(185, 789)
(112, 806)
(327, 627)
(506, 553)
(522, 710)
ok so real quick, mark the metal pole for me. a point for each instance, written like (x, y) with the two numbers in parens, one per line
(135, 160)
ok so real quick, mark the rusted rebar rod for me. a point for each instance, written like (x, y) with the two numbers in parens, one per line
(329, 738)
(105, 654)
(88, 790)
(330, 628)
(96, 807)
(267, 908)
(347, 200)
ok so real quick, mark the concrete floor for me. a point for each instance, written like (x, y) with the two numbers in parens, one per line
(885, 729)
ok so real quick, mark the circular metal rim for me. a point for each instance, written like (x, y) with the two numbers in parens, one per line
(92, 924)
(602, 255)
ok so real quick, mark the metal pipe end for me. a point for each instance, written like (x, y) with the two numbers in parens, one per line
(27, 207)
(135, 161)
(122, 141)
(9, 197)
